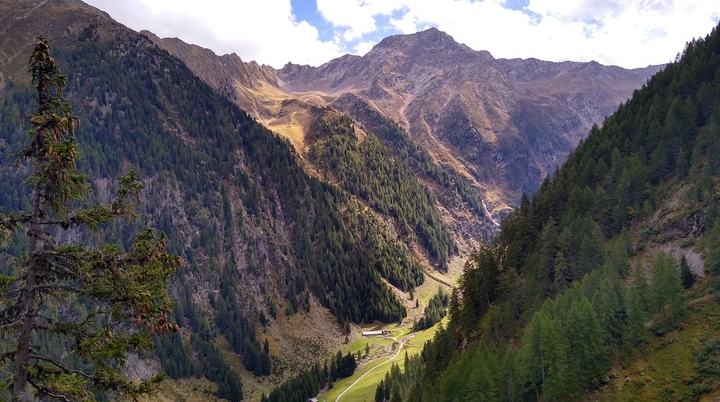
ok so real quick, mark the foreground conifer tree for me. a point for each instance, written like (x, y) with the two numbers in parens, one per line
(71, 313)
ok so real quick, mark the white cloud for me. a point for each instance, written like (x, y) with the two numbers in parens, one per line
(363, 47)
(264, 31)
(629, 33)
(357, 17)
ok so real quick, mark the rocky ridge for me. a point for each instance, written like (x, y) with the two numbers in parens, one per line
(504, 124)
(508, 123)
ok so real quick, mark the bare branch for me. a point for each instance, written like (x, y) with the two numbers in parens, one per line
(63, 368)
(57, 286)
(10, 325)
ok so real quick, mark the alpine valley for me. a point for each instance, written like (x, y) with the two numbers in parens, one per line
(312, 203)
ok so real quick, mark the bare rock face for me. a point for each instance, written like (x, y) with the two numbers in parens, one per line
(507, 123)
(244, 83)
(220, 71)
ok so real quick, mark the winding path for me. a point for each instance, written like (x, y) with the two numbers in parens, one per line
(369, 371)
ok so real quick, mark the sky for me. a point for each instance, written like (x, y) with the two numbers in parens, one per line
(626, 33)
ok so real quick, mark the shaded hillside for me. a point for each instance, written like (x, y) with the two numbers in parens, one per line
(298, 118)
(370, 171)
(263, 240)
(482, 121)
(588, 271)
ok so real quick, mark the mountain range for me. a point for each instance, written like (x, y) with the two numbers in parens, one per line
(502, 124)
(304, 197)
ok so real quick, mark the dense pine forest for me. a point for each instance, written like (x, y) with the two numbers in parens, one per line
(587, 272)
(370, 171)
(569, 283)
(309, 382)
(221, 186)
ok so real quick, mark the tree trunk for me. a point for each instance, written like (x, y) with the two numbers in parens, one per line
(22, 354)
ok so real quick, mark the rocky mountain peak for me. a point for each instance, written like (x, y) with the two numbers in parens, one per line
(503, 123)
(431, 46)
(429, 37)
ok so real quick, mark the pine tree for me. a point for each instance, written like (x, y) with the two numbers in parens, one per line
(542, 357)
(563, 273)
(511, 387)
(682, 163)
(607, 307)
(480, 283)
(642, 285)
(666, 287)
(712, 248)
(108, 286)
(620, 253)
(635, 332)
(585, 347)
(379, 392)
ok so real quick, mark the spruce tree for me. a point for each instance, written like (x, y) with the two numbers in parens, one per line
(607, 307)
(99, 303)
(511, 387)
(585, 347)
(563, 273)
(666, 287)
(635, 332)
(541, 353)
(379, 392)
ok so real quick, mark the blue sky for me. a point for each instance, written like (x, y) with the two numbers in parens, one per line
(306, 10)
(628, 33)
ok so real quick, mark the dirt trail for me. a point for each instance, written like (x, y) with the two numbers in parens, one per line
(401, 344)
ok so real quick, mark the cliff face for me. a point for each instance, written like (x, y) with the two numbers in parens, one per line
(227, 74)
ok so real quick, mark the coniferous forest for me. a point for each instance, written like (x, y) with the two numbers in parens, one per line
(141, 108)
(568, 285)
(230, 232)
(370, 171)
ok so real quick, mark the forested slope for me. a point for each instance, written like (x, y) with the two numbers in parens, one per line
(262, 238)
(589, 268)
(370, 171)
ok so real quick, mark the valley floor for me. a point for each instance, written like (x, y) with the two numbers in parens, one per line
(361, 386)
